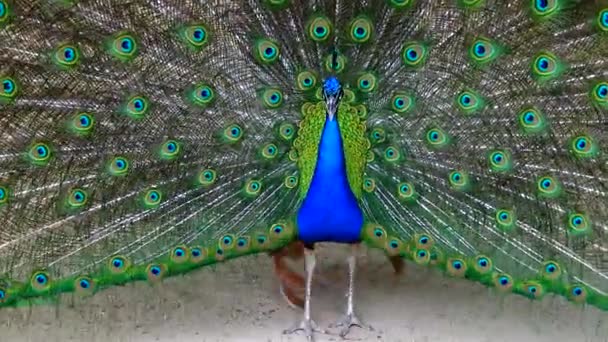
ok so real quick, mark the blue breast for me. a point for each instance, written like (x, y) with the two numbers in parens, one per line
(330, 212)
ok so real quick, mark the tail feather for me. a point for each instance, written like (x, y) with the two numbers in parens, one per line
(144, 140)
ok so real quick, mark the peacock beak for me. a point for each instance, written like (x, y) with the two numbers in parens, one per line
(331, 105)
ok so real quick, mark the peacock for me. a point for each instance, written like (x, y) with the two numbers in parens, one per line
(144, 139)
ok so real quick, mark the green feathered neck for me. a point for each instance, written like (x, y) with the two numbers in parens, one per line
(354, 143)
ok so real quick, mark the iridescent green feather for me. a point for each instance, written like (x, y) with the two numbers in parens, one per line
(124, 46)
(546, 66)
(415, 53)
(484, 50)
(195, 35)
(361, 29)
(307, 143)
(544, 10)
(266, 51)
(355, 145)
(10, 89)
(66, 56)
(319, 28)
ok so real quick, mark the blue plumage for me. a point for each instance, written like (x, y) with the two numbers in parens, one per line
(332, 86)
(330, 211)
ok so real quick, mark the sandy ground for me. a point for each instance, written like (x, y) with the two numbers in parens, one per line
(239, 301)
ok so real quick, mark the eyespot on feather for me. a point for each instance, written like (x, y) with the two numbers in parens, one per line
(155, 272)
(198, 254)
(456, 267)
(360, 29)
(375, 235)
(319, 28)
(84, 286)
(118, 264)
(180, 254)
(40, 281)
(266, 51)
(281, 232)
(394, 247)
(503, 282)
(123, 46)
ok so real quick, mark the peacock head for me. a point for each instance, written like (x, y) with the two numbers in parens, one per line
(332, 94)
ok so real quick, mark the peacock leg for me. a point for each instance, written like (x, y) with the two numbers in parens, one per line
(350, 319)
(307, 324)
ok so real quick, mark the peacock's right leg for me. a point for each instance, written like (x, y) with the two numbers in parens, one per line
(307, 324)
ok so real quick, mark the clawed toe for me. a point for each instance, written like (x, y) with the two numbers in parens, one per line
(308, 326)
(348, 321)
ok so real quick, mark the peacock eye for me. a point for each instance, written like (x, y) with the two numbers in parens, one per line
(319, 29)
(266, 51)
(41, 279)
(227, 240)
(198, 35)
(8, 86)
(84, 121)
(68, 54)
(604, 18)
(126, 44)
(3, 194)
(602, 91)
(366, 82)
(414, 54)
(529, 118)
(360, 30)
(242, 242)
(272, 98)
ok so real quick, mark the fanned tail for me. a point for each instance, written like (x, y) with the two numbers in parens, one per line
(487, 123)
(142, 140)
(139, 141)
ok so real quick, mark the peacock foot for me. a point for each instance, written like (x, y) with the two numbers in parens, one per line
(308, 326)
(348, 321)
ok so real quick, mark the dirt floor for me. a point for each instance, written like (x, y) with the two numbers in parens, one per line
(239, 301)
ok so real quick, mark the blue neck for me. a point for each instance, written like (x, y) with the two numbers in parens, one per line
(330, 212)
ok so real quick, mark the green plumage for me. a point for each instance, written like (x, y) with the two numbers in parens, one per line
(307, 143)
(143, 140)
(355, 145)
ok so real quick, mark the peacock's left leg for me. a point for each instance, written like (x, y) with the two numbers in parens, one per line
(307, 324)
(350, 319)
